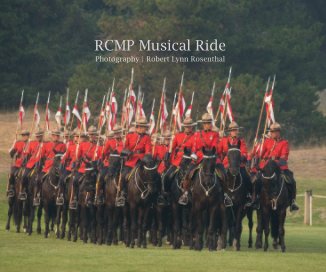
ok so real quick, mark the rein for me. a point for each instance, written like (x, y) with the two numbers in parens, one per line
(207, 191)
(143, 193)
(234, 189)
(275, 200)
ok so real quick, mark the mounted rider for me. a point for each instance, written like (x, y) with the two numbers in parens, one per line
(17, 154)
(48, 153)
(32, 157)
(113, 144)
(207, 138)
(67, 161)
(277, 148)
(137, 145)
(87, 154)
(182, 142)
(233, 139)
(160, 151)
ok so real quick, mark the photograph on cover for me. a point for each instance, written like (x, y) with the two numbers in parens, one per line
(167, 135)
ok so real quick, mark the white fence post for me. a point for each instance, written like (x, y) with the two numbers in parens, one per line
(308, 208)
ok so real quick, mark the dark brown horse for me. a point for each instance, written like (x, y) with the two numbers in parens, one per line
(86, 204)
(273, 203)
(207, 198)
(180, 213)
(50, 187)
(234, 186)
(141, 195)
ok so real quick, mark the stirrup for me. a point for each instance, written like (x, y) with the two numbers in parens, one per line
(73, 204)
(60, 200)
(294, 207)
(22, 196)
(120, 201)
(99, 200)
(227, 200)
(36, 201)
(10, 193)
(183, 200)
(161, 201)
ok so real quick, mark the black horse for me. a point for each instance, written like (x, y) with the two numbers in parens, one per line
(180, 213)
(50, 187)
(274, 202)
(234, 186)
(207, 197)
(142, 192)
(86, 204)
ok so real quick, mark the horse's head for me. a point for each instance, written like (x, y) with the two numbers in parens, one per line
(271, 176)
(186, 159)
(149, 168)
(234, 158)
(114, 163)
(56, 163)
(209, 160)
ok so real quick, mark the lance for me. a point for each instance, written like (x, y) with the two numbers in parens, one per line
(173, 105)
(19, 121)
(177, 113)
(260, 115)
(225, 111)
(99, 129)
(222, 125)
(265, 127)
(47, 116)
(65, 117)
(58, 118)
(82, 123)
(156, 129)
(72, 117)
(20, 116)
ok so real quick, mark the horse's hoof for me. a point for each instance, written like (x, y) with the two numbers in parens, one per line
(62, 235)
(283, 249)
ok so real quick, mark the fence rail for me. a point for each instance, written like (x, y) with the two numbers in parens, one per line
(308, 196)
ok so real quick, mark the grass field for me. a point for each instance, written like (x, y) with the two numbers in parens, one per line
(306, 246)
(306, 249)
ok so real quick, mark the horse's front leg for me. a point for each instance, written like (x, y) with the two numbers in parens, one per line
(250, 226)
(259, 229)
(212, 229)
(144, 226)
(199, 229)
(46, 220)
(238, 227)
(139, 226)
(58, 220)
(11, 201)
(133, 223)
(221, 244)
(64, 220)
(281, 230)
(266, 220)
(176, 226)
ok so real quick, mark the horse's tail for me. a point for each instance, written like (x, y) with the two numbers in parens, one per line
(274, 225)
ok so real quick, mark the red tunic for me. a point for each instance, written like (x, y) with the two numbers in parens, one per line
(140, 145)
(159, 154)
(207, 139)
(277, 150)
(86, 153)
(181, 141)
(70, 156)
(19, 149)
(224, 147)
(34, 150)
(49, 151)
(111, 145)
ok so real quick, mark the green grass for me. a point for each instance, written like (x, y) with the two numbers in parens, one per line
(306, 248)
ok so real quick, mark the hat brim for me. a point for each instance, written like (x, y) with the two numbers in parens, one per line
(142, 125)
(273, 130)
(230, 129)
(205, 121)
(189, 125)
(25, 133)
